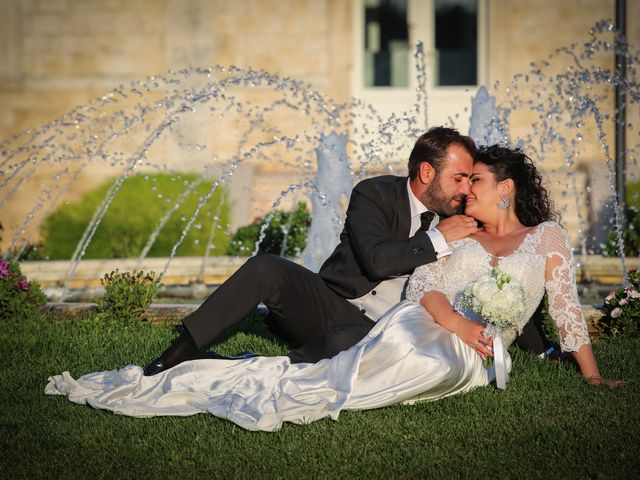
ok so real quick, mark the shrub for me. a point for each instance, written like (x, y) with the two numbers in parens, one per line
(631, 235)
(621, 309)
(292, 225)
(18, 297)
(134, 214)
(127, 295)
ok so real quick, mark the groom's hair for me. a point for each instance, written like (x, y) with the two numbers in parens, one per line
(432, 147)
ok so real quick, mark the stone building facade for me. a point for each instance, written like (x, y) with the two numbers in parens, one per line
(57, 54)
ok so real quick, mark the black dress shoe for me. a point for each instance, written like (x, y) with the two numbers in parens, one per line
(160, 365)
(156, 366)
(181, 349)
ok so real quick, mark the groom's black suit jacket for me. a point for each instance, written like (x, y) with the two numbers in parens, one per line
(375, 244)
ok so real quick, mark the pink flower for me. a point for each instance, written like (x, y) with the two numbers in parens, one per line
(609, 297)
(623, 301)
(4, 269)
(23, 284)
(616, 312)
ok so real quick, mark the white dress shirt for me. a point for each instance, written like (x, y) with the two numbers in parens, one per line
(389, 292)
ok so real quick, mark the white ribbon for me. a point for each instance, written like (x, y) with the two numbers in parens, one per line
(500, 363)
(499, 356)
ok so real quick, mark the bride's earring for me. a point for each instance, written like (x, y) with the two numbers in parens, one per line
(504, 202)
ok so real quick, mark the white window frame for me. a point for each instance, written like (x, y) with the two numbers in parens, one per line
(444, 102)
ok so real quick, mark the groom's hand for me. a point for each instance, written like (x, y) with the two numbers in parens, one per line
(457, 227)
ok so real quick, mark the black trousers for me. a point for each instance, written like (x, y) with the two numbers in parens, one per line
(532, 339)
(303, 310)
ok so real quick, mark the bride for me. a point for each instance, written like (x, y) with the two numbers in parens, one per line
(424, 348)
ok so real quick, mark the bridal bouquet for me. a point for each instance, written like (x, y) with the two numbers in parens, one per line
(500, 301)
(497, 297)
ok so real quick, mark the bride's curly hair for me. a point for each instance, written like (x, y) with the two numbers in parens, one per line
(532, 202)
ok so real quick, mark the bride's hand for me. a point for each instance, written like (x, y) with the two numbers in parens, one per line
(589, 368)
(472, 333)
(598, 380)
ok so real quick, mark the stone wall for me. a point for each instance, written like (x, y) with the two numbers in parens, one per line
(525, 31)
(57, 54)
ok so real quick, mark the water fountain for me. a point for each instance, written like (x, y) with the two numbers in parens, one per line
(223, 121)
(569, 105)
(333, 179)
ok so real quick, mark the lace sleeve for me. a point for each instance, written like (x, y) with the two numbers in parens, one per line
(560, 284)
(425, 278)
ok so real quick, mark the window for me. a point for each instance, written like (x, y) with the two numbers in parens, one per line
(456, 42)
(451, 34)
(454, 34)
(386, 43)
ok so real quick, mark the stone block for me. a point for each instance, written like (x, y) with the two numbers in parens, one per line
(175, 312)
(155, 313)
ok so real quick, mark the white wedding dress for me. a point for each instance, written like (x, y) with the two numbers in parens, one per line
(406, 357)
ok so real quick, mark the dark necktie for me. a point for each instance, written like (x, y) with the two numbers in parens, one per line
(425, 220)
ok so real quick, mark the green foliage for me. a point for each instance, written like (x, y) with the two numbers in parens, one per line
(295, 224)
(631, 235)
(134, 214)
(126, 295)
(622, 309)
(18, 297)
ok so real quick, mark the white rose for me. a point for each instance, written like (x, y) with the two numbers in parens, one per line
(484, 289)
(616, 312)
(634, 294)
(480, 279)
(623, 301)
(508, 305)
(516, 293)
(512, 289)
(608, 298)
(504, 298)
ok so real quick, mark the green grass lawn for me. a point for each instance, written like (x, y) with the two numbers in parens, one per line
(548, 424)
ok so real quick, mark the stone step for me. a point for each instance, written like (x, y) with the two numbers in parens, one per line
(174, 312)
(215, 270)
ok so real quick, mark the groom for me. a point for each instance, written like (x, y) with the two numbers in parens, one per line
(392, 226)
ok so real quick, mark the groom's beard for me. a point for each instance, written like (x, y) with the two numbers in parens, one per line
(436, 200)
